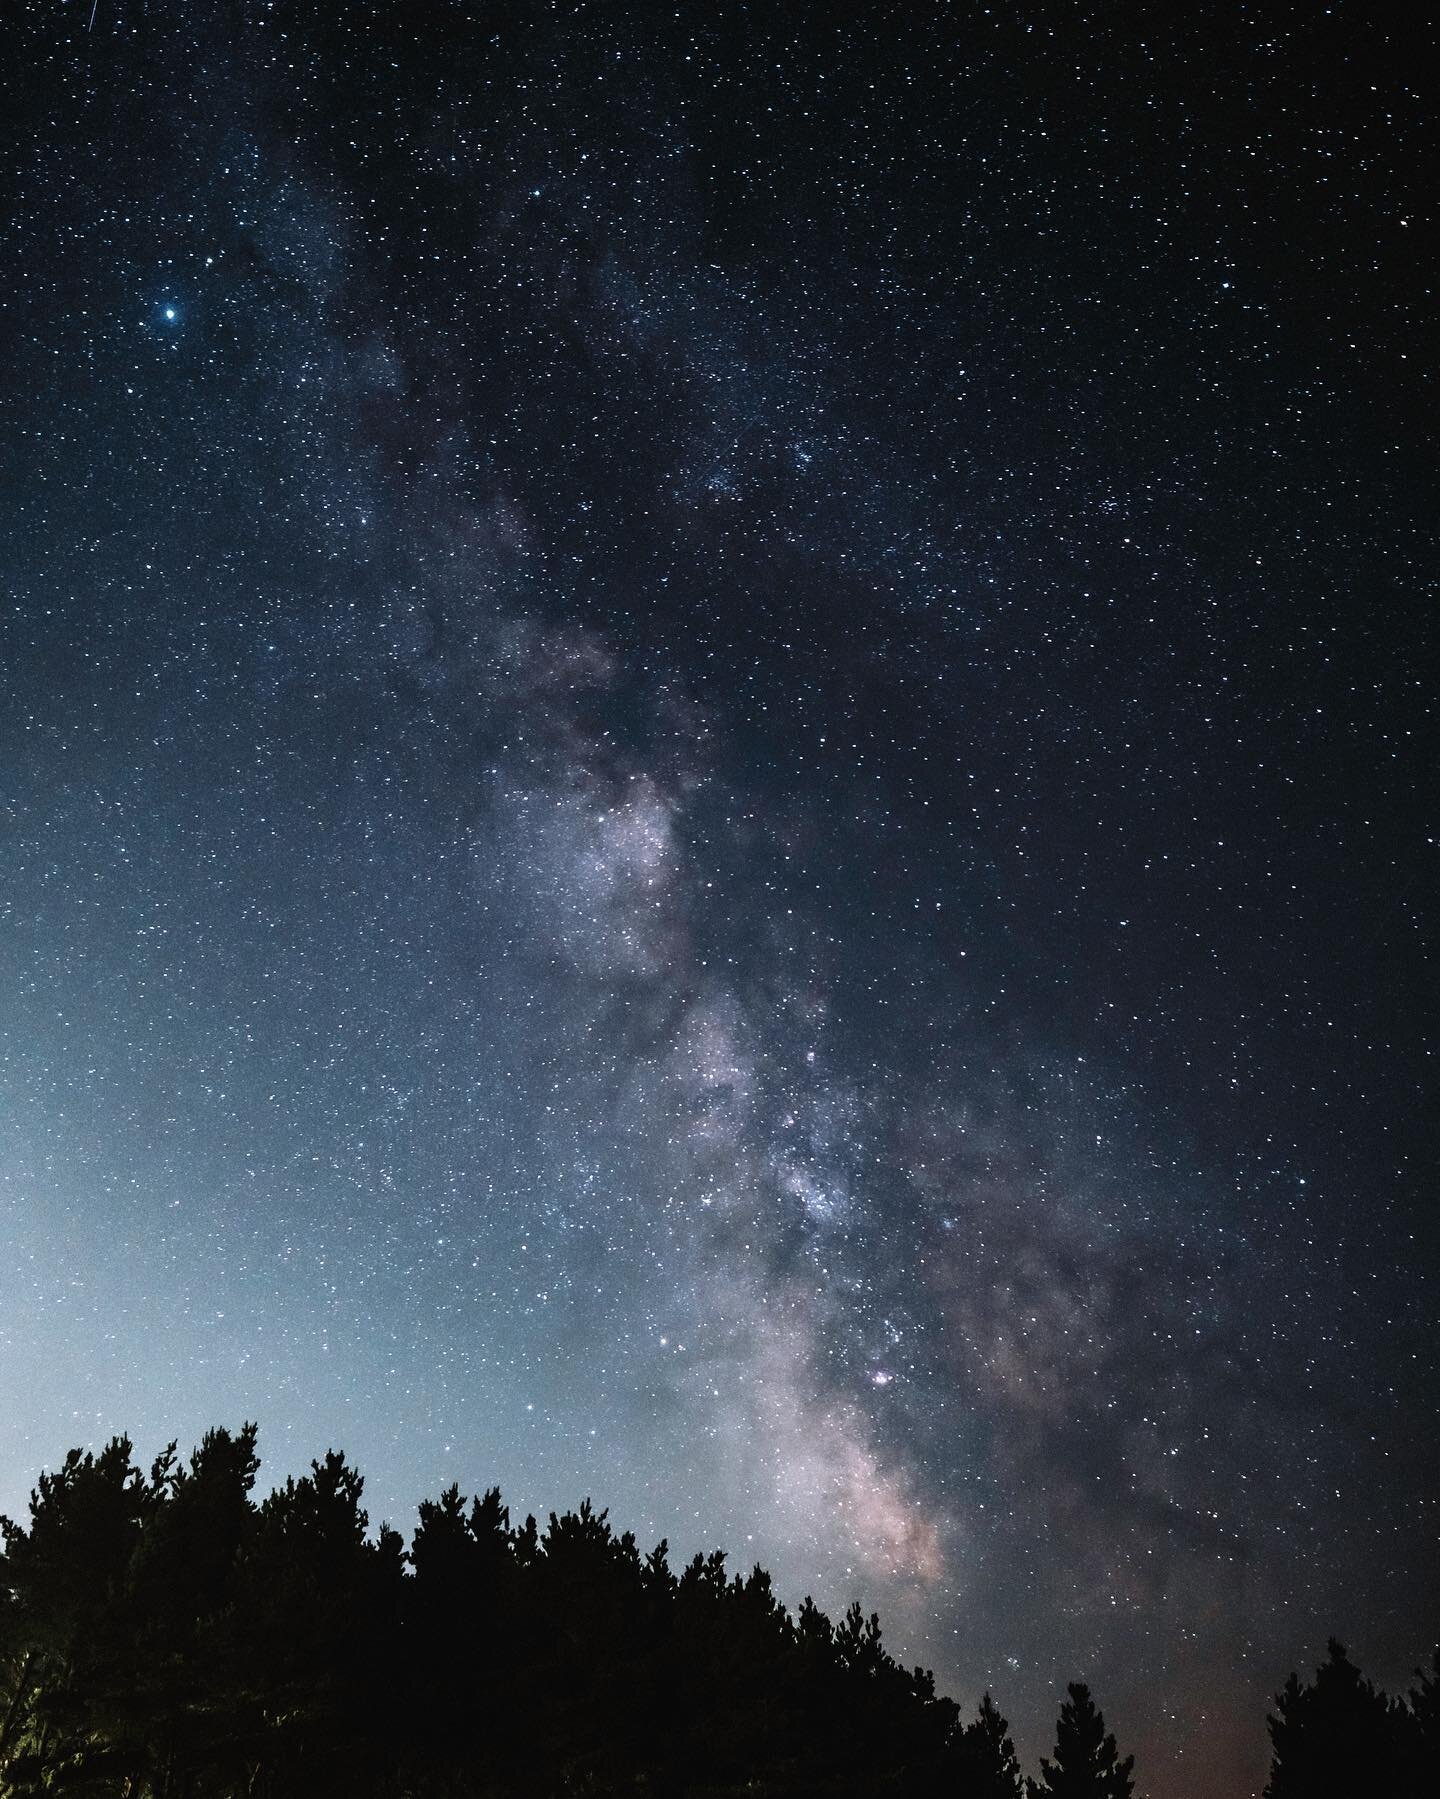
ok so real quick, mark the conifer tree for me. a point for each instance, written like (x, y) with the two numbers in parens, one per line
(170, 1637)
(71, 1663)
(1425, 1704)
(1336, 1736)
(1087, 1764)
(987, 1756)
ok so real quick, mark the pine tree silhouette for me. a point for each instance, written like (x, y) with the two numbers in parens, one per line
(1425, 1708)
(987, 1756)
(168, 1637)
(71, 1673)
(1087, 1763)
(1335, 1737)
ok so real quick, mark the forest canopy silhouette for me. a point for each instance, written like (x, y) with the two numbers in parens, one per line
(163, 1635)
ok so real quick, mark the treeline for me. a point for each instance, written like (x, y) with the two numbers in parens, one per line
(1339, 1735)
(163, 1636)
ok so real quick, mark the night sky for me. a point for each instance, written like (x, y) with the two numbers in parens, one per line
(716, 788)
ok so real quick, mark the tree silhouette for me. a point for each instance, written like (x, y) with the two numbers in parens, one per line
(1087, 1763)
(165, 1636)
(456, 1644)
(69, 1678)
(987, 1756)
(315, 1628)
(1338, 1735)
(1425, 1708)
(179, 1588)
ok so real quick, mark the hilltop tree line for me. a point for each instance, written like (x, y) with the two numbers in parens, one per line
(165, 1636)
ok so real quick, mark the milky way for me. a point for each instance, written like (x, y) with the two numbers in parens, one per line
(714, 771)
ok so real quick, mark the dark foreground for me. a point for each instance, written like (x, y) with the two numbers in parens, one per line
(163, 1636)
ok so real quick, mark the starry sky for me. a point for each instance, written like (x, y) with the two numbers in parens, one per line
(716, 788)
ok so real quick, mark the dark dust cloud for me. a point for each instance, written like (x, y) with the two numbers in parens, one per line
(716, 789)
